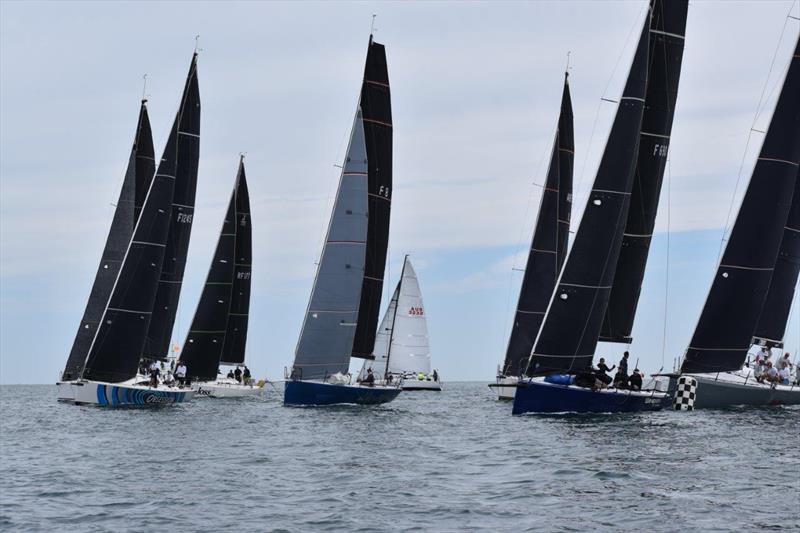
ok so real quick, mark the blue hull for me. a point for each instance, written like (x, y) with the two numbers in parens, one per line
(312, 393)
(539, 397)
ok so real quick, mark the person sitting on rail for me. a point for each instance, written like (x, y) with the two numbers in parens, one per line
(635, 381)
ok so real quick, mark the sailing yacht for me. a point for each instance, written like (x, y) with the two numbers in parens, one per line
(750, 298)
(597, 293)
(107, 374)
(402, 350)
(342, 315)
(218, 333)
(546, 256)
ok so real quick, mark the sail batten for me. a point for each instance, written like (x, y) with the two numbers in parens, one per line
(667, 30)
(571, 327)
(135, 186)
(548, 246)
(184, 174)
(736, 301)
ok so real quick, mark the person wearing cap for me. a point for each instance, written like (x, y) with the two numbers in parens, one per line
(370, 379)
(771, 374)
(635, 381)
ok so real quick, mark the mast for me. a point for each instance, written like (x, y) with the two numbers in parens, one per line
(233, 351)
(778, 304)
(326, 339)
(394, 316)
(181, 217)
(135, 185)
(569, 334)
(736, 299)
(376, 108)
(548, 246)
(207, 334)
(667, 30)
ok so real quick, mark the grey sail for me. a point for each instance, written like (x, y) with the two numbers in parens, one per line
(141, 166)
(326, 340)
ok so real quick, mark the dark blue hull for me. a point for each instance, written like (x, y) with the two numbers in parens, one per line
(540, 397)
(315, 393)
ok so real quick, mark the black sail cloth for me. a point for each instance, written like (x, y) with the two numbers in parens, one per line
(220, 319)
(667, 30)
(736, 299)
(376, 108)
(778, 304)
(182, 214)
(548, 246)
(141, 165)
(570, 331)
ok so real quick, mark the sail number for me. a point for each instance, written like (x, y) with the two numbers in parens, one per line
(243, 275)
(185, 218)
(416, 311)
(383, 191)
(660, 150)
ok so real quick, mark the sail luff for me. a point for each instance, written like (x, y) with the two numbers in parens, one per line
(569, 334)
(736, 299)
(233, 351)
(778, 303)
(668, 27)
(548, 244)
(376, 110)
(394, 317)
(326, 338)
(137, 176)
(181, 218)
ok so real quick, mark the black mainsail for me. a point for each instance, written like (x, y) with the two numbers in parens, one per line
(141, 165)
(376, 109)
(569, 334)
(182, 213)
(548, 246)
(219, 327)
(734, 304)
(114, 354)
(667, 30)
(778, 304)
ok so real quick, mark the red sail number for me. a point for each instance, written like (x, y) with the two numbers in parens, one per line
(416, 311)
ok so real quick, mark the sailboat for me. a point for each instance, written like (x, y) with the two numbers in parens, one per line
(750, 297)
(159, 332)
(342, 315)
(546, 256)
(629, 178)
(139, 174)
(402, 350)
(107, 376)
(218, 334)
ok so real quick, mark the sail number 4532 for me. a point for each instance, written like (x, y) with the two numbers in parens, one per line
(416, 311)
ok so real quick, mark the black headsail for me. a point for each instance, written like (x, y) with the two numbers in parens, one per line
(169, 287)
(226, 294)
(731, 313)
(667, 30)
(772, 322)
(115, 350)
(138, 176)
(376, 108)
(548, 247)
(571, 327)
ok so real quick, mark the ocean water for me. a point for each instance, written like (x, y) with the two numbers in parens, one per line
(451, 461)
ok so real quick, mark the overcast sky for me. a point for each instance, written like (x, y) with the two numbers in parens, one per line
(475, 93)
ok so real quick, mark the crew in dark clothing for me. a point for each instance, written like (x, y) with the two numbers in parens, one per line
(621, 379)
(237, 374)
(586, 379)
(635, 381)
(246, 375)
(230, 374)
(623, 365)
(370, 379)
(435, 375)
(602, 370)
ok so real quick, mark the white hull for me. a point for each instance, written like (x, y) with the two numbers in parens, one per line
(417, 384)
(121, 394)
(506, 393)
(228, 389)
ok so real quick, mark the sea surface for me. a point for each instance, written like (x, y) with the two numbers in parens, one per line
(450, 461)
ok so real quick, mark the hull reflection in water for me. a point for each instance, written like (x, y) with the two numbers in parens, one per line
(538, 396)
(319, 393)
